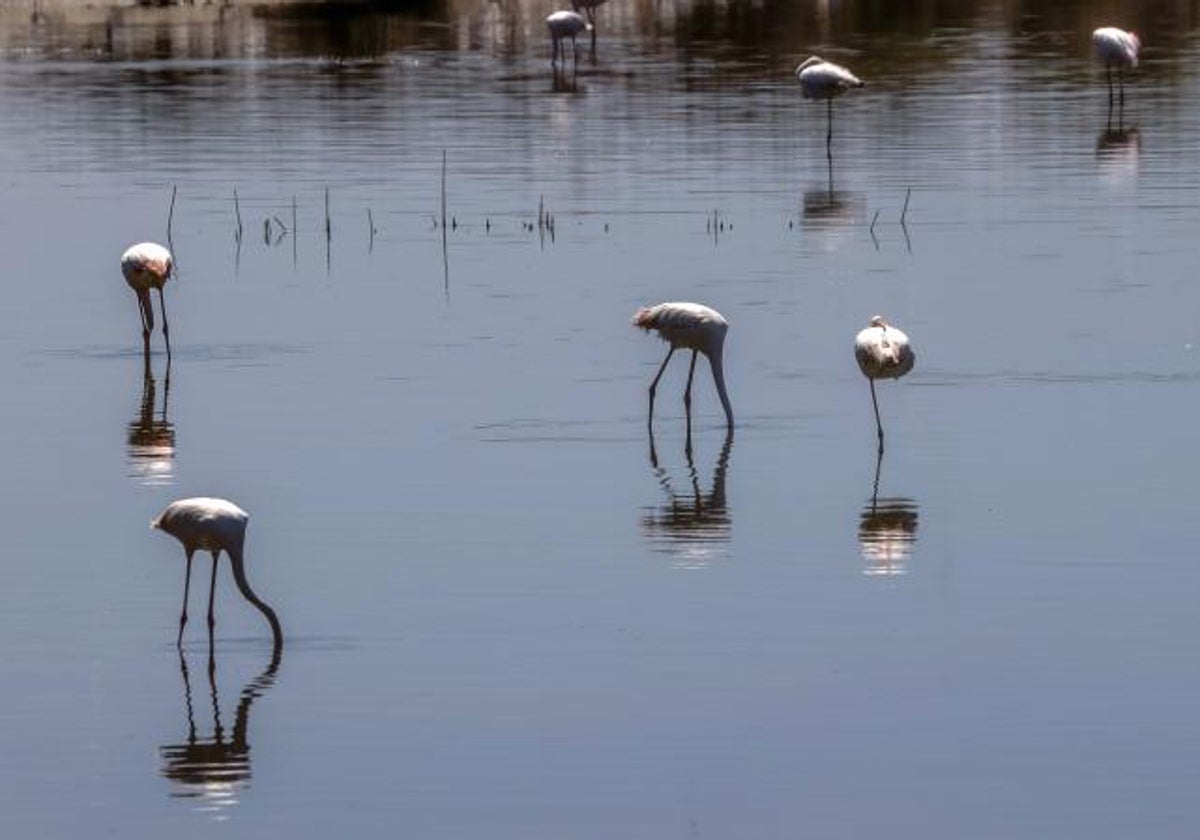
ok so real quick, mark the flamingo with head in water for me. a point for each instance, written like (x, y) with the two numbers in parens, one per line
(213, 525)
(565, 25)
(147, 266)
(690, 326)
(1116, 48)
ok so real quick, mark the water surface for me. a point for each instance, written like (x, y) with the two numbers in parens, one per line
(503, 616)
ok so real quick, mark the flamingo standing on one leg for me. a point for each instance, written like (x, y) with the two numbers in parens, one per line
(820, 79)
(882, 352)
(213, 525)
(565, 25)
(1116, 48)
(147, 266)
(691, 326)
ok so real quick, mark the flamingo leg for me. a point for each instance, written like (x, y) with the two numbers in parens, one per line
(1108, 74)
(212, 591)
(687, 403)
(187, 583)
(654, 384)
(878, 424)
(162, 304)
(143, 299)
(829, 130)
(687, 392)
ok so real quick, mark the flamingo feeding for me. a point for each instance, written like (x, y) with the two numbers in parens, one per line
(1116, 48)
(820, 79)
(147, 266)
(883, 352)
(690, 326)
(565, 25)
(213, 525)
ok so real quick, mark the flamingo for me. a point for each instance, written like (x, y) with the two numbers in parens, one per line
(565, 25)
(214, 525)
(691, 326)
(1116, 48)
(147, 266)
(882, 352)
(820, 79)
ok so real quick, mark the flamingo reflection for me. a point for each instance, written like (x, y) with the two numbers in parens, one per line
(151, 436)
(1118, 150)
(887, 530)
(213, 770)
(692, 525)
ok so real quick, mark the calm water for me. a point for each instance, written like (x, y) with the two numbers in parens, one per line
(503, 619)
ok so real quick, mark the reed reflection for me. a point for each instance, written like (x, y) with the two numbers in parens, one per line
(887, 531)
(214, 770)
(691, 525)
(150, 436)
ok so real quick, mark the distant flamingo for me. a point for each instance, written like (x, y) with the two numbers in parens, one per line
(1116, 48)
(882, 352)
(147, 266)
(820, 79)
(565, 25)
(694, 327)
(213, 525)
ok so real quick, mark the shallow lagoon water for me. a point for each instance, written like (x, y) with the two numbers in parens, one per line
(502, 617)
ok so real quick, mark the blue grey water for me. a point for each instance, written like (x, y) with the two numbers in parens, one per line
(502, 618)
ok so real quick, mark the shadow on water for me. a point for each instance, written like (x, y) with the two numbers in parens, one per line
(693, 525)
(150, 436)
(215, 769)
(887, 530)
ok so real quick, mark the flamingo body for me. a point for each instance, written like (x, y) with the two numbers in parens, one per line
(821, 79)
(147, 266)
(205, 524)
(213, 525)
(690, 326)
(562, 25)
(882, 352)
(1116, 48)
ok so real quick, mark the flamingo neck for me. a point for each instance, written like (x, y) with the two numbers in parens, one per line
(718, 372)
(243, 585)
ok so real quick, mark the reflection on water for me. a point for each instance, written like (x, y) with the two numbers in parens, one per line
(831, 214)
(565, 80)
(825, 207)
(214, 770)
(1118, 150)
(887, 531)
(150, 436)
(691, 525)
